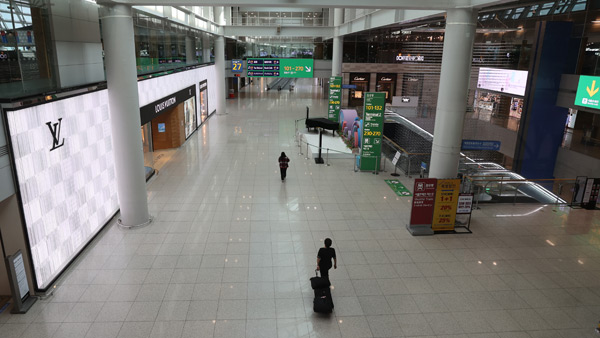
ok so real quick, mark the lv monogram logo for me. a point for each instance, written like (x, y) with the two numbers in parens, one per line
(55, 131)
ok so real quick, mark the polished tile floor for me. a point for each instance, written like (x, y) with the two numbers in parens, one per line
(232, 248)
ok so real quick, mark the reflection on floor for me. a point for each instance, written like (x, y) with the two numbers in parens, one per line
(232, 249)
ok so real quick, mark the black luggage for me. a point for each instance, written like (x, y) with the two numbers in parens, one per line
(323, 303)
(319, 282)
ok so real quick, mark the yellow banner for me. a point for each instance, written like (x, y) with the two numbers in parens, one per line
(446, 199)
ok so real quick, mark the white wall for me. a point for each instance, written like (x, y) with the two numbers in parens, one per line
(156, 88)
(75, 32)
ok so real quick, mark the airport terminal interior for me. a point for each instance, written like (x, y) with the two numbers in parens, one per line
(141, 192)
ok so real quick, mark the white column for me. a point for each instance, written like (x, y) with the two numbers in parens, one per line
(336, 59)
(190, 50)
(205, 48)
(121, 78)
(452, 96)
(220, 61)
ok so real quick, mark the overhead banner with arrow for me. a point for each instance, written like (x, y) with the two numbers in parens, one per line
(587, 92)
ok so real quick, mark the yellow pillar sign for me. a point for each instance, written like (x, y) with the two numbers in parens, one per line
(446, 199)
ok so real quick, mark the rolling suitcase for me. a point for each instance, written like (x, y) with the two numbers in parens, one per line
(323, 303)
(319, 282)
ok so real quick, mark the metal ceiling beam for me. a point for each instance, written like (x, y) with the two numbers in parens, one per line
(291, 31)
(380, 4)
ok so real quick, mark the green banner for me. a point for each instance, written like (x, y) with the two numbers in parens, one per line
(335, 98)
(279, 68)
(372, 131)
(587, 92)
(398, 188)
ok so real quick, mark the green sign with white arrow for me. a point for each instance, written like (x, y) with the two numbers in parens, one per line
(587, 92)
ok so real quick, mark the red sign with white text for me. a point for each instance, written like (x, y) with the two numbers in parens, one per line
(423, 201)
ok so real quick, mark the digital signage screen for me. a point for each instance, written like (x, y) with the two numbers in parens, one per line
(506, 81)
(64, 162)
(294, 68)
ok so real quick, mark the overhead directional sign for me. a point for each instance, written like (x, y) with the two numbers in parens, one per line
(280, 67)
(237, 66)
(480, 145)
(587, 92)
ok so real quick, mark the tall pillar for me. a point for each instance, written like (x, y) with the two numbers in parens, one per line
(452, 95)
(190, 50)
(220, 61)
(205, 48)
(121, 78)
(336, 59)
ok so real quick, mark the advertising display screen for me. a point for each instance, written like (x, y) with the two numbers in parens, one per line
(503, 80)
(64, 162)
(280, 68)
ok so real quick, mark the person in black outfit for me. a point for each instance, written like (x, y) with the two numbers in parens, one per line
(324, 259)
(283, 165)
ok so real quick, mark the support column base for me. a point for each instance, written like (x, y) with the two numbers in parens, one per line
(135, 226)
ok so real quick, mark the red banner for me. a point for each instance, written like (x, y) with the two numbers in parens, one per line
(423, 201)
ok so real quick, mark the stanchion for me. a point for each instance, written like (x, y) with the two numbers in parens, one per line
(327, 159)
(300, 147)
(395, 173)
(377, 164)
(306, 158)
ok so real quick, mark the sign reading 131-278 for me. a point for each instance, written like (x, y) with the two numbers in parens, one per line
(588, 94)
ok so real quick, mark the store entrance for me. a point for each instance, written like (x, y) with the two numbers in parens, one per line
(501, 110)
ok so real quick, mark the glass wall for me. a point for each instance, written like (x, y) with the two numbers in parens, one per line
(25, 60)
(244, 17)
(161, 44)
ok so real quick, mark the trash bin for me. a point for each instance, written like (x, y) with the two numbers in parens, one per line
(231, 93)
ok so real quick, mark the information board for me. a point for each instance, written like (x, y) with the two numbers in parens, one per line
(237, 66)
(335, 98)
(20, 275)
(423, 201)
(465, 204)
(587, 92)
(374, 107)
(280, 68)
(446, 199)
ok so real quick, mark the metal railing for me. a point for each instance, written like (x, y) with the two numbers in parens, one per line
(409, 163)
(500, 187)
(302, 143)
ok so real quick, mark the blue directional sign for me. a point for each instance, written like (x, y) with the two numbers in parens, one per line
(237, 66)
(480, 145)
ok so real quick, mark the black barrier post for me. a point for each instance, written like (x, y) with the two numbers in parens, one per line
(319, 160)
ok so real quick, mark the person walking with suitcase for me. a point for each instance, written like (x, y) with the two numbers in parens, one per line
(283, 165)
(324, 257)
